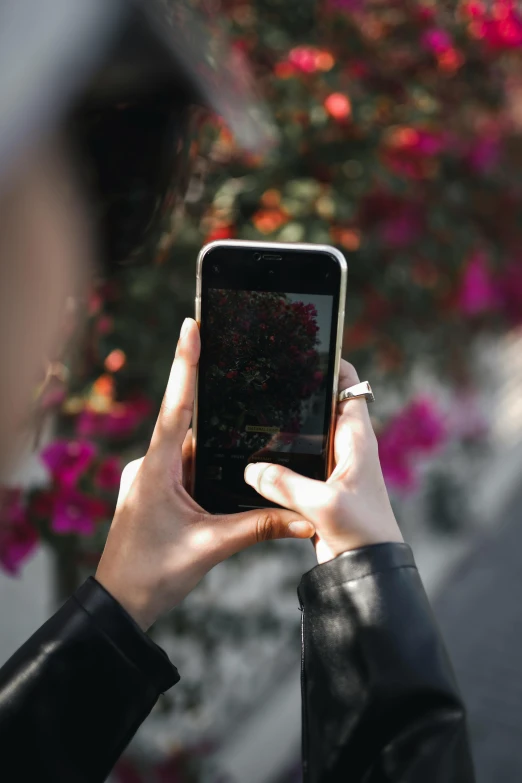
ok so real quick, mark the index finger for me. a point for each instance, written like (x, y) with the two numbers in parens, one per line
(177, 406)
(358, 407)
(352, 414)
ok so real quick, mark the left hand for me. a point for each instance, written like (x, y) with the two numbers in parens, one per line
(161, 542)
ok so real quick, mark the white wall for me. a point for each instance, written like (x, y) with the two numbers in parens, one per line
(25, 602)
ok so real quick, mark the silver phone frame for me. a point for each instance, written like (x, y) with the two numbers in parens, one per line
(296, 246)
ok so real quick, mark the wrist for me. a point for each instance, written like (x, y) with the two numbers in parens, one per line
(136, 602)
(328, 550)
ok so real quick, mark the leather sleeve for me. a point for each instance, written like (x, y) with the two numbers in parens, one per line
(75, 693)
(380, 702)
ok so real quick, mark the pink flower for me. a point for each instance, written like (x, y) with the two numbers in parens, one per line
(68, 459)
(474, 8)
(18, 538)
(108, 475)
(75, 512)
(478, 293)
(436, 40)
(499, 24)
(303, 58)
(120, 422)
(417, 429)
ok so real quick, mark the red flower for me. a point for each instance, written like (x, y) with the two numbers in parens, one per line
(500, 27)
(225, 231)
(231, 374)
(18, 538)
(338, 106)
(68, 459)
(108, 475)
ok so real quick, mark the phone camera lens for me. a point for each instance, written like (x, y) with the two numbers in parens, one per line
(257, 256)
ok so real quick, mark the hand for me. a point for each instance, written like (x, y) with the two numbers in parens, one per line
(352, 508)
(161, 542)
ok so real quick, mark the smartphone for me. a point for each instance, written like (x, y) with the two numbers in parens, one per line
(271, 319)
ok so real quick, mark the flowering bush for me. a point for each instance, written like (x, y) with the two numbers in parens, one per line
(400, 143)
(400, 125)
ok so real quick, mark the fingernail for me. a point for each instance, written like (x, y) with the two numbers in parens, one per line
(184, 328)
(252, 471)
(301, 529)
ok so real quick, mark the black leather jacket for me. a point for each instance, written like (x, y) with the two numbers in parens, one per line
(380, 704)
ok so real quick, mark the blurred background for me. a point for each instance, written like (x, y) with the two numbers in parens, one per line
(400, 143)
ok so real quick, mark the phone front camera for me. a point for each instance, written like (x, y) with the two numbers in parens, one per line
(257, 256)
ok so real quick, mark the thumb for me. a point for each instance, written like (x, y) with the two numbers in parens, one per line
(239, 531)
(304, 495)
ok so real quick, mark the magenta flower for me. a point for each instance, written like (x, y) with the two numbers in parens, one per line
(120, 422)
(429, 143)
(89, 423)
(396, 468)
(424, 425)
(436, 40)
(18, 538)
(478, 292)
(68, 459)
(75, 512)
(417, 429)
(108, 475)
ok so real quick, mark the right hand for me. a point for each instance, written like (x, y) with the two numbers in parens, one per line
(352, 508)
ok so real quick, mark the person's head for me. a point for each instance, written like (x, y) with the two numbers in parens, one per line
(95, 122)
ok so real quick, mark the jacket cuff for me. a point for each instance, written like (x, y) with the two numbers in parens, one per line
(123, 632)
(352, 565)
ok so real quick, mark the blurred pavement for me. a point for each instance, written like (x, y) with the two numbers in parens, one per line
(480, 611)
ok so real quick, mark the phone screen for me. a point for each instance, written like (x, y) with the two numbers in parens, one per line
(269, 336)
